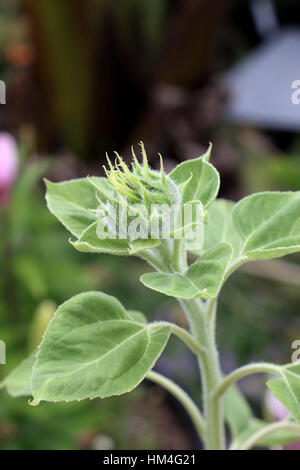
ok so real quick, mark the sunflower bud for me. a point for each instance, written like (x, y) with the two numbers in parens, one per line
(133, 193)
(141, 184)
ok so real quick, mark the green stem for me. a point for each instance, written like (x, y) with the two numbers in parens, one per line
(179, 255)
(184, 335)
(235, 266)
(152, 259)
(255, 438)
(160, 258)
(170, 256)
(243, 372)
(201, 318)
(183, 398)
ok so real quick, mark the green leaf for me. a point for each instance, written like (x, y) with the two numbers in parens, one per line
(269, 224)
(74, 202)
(203, 179)
(287, 389)
(279, 437)
(220, 229)
(89, 242)
(243, 425)
(136, 246)
(237, 411)
(137, 316)
(18, 382)
(92, 348)
(261, 226)
(202, 279)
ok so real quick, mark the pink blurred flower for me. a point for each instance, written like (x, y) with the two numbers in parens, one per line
(279, 412)
(275, 407)
(8, 165)
(293, 446)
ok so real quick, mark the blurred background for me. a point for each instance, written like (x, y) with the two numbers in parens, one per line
(88, 76)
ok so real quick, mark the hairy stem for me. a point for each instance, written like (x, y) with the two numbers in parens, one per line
(201, 318)
(183, 398)
(184, 336)
(151, 257)
(179, 255)
(242, 372)
(269, 429)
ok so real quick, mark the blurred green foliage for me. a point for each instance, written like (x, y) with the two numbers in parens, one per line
(272, 172)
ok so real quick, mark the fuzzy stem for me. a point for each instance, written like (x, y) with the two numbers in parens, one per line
(269, 429)
(241, 373)
(184, 335)
(179, 255)
(201, 318)
(151, 257)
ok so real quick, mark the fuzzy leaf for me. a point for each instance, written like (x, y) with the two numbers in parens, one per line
(220, 229)
(202, 279)
(92, 348)
(18, 382)
(237, 411)
(204, 180)
(243, 425)
(261, 226)
(269, 224)
(89, 242)
(279, 437)
(136, 246)
(74, 202)
(287, 389)
(137, 316)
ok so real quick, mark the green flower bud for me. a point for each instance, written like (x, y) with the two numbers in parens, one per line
(140, 184)
(134, 191)
(139, 203)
